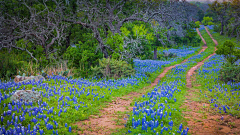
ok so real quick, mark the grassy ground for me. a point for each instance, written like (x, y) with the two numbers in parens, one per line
(167, 97)
(65, 102)
(222, 38)
(224, 97)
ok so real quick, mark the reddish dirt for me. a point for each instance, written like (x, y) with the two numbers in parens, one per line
(199, 64)
(200, 118)
(106, 121)
(205, 121)
(193, 69)
(215, 41)
(169, 68)
(201, 37)
(163, 74)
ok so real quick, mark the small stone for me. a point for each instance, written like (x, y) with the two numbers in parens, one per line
(27, 79)
(26, 95)
(17, 78)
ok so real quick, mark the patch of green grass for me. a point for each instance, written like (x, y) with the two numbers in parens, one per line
(218, 93)
(177, 116)
(86, 104)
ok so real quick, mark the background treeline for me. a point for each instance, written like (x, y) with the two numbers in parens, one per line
(74, 37)
(225, 16)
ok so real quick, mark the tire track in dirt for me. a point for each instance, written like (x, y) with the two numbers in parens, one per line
(203, 40)
(202, 120)
(106, 121)
(199, 64)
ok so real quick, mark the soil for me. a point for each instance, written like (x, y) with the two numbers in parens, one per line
(114, 116)
(203, 40)
(201, 119)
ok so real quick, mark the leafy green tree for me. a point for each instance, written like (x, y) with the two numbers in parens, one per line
(207, 21)
(137, 40)
(200, 14)
(229, 50)
(198, 23)
(160, 37)
(83, 56)
(230, 71)
(222, 13)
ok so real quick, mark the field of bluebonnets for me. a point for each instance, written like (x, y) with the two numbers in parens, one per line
(223, 97)
(158, 112)
(65, 101)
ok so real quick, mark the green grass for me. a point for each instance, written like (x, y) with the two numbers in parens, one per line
(222, 38)
(177, 115)
(72, 115)
(210, 81)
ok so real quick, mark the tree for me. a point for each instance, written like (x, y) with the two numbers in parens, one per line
(235, 12)
(160, 37)
(38, 24)
(229, 51)
(111, 15)
(207, 21)
(198, 23)
(200, 14)
(222, 12)
(137, 39)
(46, 23)
(230, 71)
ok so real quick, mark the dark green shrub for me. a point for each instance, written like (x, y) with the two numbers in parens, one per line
(166, 56)
(148, 74)
(9, 65)
(230, 72)
(82, 57)
(217, 27)
(230, 51)
(112, 68)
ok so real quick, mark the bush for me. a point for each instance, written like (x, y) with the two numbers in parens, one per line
(112, 68)
(207, 21)
(9, 65)
(197, 24)
(230, 51)
(166, 56)
(217, 27)
(230, 72)
(82, 57)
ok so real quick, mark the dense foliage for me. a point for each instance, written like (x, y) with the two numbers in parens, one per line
(82, 56)
(207, 21)
(112, 68)
(230, 70)
(226, 17)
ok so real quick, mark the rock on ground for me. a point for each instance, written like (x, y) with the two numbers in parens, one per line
(19, 78)
(26, 95)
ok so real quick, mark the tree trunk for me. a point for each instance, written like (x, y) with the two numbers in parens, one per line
(235, 28)
(222, 24)
(68, 37)
(155, 53)
(100, 41)
(104, 50)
